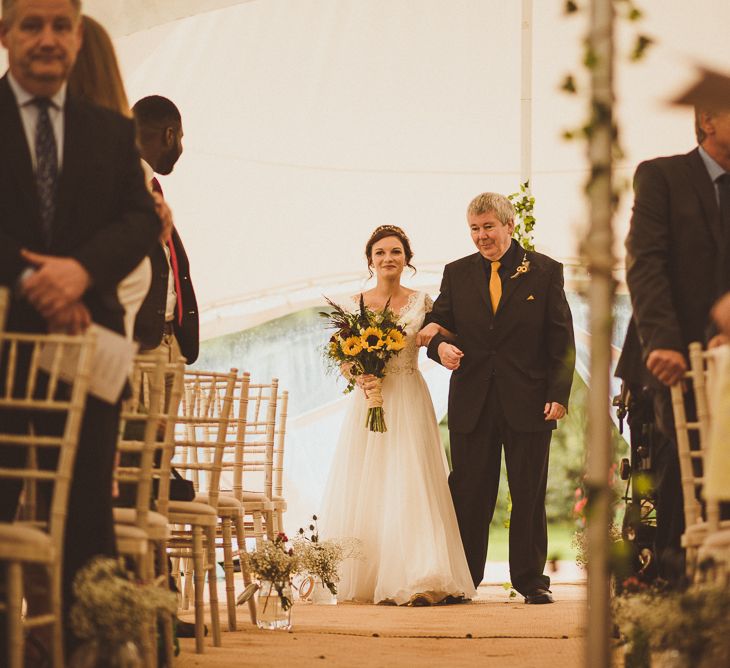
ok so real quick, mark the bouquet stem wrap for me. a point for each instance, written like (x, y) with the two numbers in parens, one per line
(375, 420)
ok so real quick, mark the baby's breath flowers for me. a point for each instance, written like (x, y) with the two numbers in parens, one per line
(322, 559)
(275, 562)
(110, 607)
(364, 341)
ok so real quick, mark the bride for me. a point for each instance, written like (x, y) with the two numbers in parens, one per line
(390, 490)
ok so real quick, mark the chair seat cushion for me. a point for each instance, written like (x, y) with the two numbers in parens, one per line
(130, 532)
(129, 516)
(224, 500)
(24, 543)
(259, 497)
(191, 507)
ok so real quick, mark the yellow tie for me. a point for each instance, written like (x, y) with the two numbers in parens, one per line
(495, 286)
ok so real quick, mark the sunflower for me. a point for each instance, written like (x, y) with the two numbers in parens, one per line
(395, 340)
(372, 339)
(352, 346)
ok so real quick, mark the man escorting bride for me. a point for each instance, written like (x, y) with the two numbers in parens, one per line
(512, 362)
(503, 326)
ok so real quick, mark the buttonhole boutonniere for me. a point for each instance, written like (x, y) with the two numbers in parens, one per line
(523, 268)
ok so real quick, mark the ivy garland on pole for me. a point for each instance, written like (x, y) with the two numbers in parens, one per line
(599, 113)
(600, 133)
(524, 203)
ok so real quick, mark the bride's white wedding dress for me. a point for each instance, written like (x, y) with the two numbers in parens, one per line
(390, 490)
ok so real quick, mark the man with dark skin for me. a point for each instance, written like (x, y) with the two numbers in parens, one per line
(168, 318)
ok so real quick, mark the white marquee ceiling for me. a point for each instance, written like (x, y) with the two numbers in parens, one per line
(309, 122)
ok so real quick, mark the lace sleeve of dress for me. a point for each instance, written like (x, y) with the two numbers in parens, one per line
(353, 303)
(427, 303)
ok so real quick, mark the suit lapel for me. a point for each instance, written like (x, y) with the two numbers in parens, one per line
(480, 281)
(512, 282)
(15, 150)
(700, 179)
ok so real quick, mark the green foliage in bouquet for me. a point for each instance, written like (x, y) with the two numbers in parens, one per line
(322, 559)
(275, 562)
(112, 608)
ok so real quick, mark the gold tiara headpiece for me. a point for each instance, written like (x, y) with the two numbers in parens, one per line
(390, 228)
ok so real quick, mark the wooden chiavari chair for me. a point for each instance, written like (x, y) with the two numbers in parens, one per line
(699, 522)
(146, 447)
(204, 400)
(37, 542)
(253, 468)
(205, 436)
(714, 553)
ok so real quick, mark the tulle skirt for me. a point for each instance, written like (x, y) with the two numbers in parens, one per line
(390, 491)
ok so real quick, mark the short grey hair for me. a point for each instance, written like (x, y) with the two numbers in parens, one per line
(9, 7)
(494, 203)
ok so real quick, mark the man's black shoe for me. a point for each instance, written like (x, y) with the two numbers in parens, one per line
(539, 596)
(187, 629)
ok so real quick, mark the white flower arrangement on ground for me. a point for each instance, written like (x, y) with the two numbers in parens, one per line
(276, 563)
(110, 607)
(322, 559)
(694, 623)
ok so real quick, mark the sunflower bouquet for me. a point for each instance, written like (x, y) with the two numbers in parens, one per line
(363, 343)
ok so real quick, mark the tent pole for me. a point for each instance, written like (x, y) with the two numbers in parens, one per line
(598, 252)
(526, 93)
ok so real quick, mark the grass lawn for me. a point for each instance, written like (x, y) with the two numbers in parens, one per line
(559, 547)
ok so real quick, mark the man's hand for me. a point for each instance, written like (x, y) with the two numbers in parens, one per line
(450, 355)
(165, 214)
(666, 365)
(56, 283)
(74, 319)
(423, 338)
(721, 314)
(554, 410)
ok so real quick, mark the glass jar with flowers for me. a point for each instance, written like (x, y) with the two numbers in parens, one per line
(110, 613)
(274, 564)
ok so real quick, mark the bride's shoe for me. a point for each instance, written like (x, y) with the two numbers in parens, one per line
(421, 600)
(386, 601)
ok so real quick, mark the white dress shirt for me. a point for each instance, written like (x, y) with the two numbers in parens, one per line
(29, 116)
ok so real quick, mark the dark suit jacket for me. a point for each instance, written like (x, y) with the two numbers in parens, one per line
(105, 217)
(526, 349)
(673, 256)
(148, 327)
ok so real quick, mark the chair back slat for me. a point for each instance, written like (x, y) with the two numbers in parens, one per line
(279, 445)
(203, 431)
(26, 389)
(255, 438)
(692, 460)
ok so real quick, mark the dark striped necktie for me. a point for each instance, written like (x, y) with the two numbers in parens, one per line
(46, 171)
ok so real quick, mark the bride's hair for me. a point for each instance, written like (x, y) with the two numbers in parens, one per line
(388, 231)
